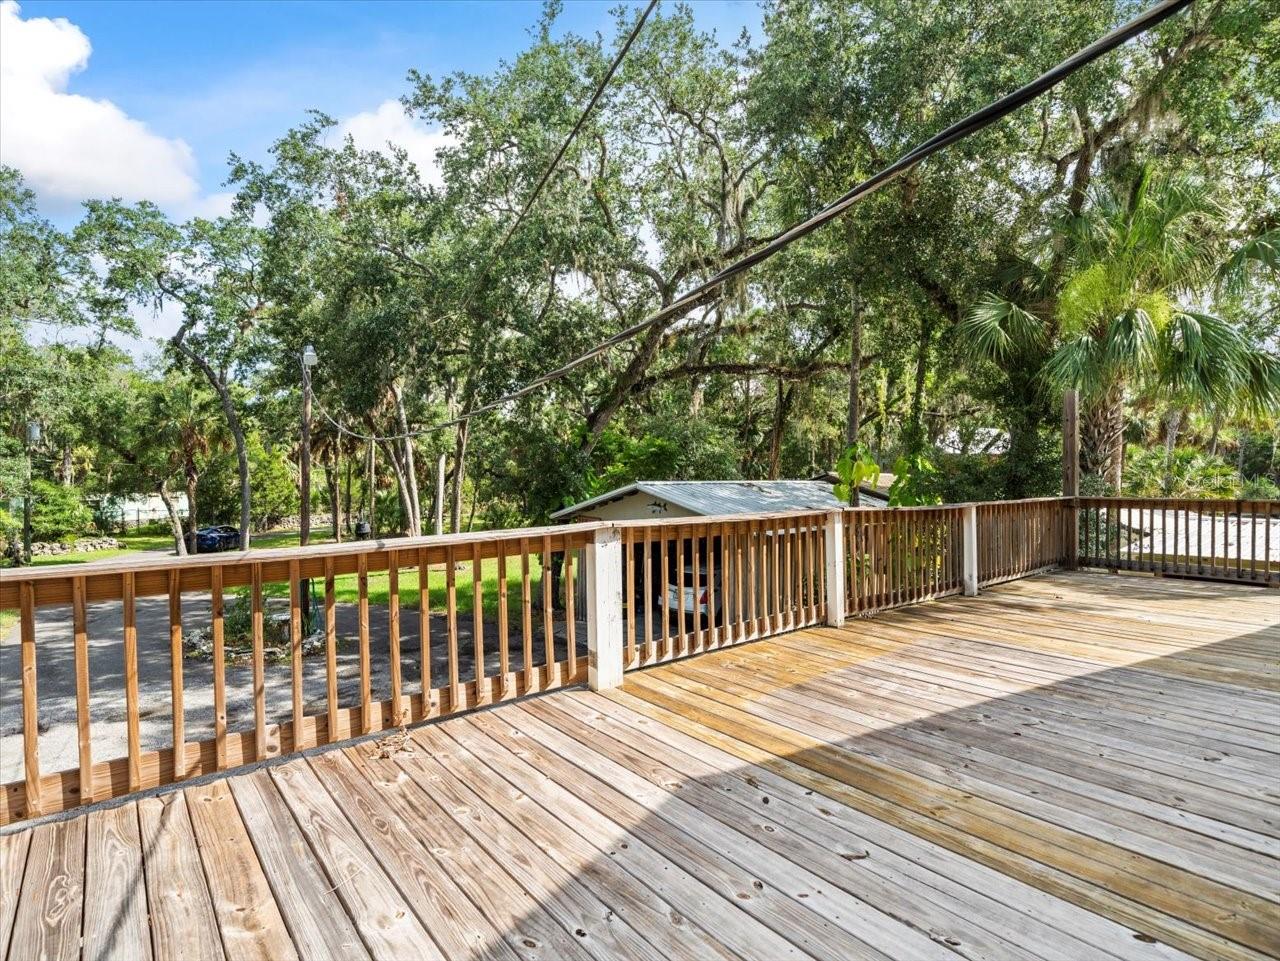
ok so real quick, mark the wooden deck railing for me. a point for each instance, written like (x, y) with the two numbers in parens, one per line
(546, 656)
(1020, 538)
(497, 615)
(901, 555)
(693, 586)
(1233, 540)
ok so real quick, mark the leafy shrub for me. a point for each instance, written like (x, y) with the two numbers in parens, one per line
(1186, 473)
(58, 512)
(1260, 489)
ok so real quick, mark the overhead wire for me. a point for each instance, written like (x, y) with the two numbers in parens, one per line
(965, 127)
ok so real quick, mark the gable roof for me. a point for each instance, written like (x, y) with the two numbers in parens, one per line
(712, 498)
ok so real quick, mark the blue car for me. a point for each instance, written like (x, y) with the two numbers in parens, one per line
(210, 540)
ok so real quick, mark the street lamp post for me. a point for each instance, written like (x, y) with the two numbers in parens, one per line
(309, 360)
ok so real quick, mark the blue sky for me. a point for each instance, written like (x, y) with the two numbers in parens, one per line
(184, 83)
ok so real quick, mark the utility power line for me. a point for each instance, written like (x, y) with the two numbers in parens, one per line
(971, 124)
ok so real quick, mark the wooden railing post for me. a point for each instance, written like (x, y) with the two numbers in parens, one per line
(970, 525)
(603, 562)
(833, 546)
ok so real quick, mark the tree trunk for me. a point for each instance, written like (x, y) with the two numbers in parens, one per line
(233, 424)
(1102, 437)
(346, 497)
(68, 470)
(179, 542)
(335, 500)
(914, 439)
(1213, 436)
(189, 472)
(412, 501)
(461, 438)
(854, 420)
(780, 410)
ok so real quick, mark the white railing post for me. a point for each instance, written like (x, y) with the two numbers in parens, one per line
(603, 562)
(833, 544)
(970, 550)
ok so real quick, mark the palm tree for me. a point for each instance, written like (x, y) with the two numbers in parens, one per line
(189, 427)
(1112, 304)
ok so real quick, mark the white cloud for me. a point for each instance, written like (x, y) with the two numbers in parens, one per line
(388, 123)
(69, 147)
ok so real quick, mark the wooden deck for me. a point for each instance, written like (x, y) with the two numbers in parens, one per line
(1070, 766)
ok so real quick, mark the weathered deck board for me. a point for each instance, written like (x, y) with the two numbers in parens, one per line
(1068, 766)
(115, 908)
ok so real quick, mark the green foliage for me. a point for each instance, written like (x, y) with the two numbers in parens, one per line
(916, 481)
(1186, 473)
(1260, 489)
(58, 512)
(855, 467)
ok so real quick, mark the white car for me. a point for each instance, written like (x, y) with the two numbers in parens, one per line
(681, 597)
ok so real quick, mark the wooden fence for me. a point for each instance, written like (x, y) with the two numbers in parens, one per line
(1232, 540)
(499, 617)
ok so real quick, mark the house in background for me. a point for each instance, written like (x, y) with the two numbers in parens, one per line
(645, 500)
(648, 500)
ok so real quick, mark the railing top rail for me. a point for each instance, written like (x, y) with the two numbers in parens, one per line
(275, 554)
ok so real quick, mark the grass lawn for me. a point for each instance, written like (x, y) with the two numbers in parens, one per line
(345, 587)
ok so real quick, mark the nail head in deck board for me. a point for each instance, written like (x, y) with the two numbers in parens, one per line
(115, 907)
(183, 923)
(590, 854)
(309, 906)
(385, 921)
(247, 915)
(49, 916)
(398, 839)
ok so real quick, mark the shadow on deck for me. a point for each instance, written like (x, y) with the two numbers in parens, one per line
(1071, 766)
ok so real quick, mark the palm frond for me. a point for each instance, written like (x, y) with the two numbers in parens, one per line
(1260, 254)
(1077, 365)
(995, 328)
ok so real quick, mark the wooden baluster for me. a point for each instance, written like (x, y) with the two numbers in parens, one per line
(451, 607)
(1239, 540)
(330, 651)
(548, 611)
(259, 666)
(477, 624)
(1266, 547)
(570, 613)
(30, 710)
(726, 582)
(679, 580)
(753, 550)
(1253, 542)
(393, 638)
(789, 565)
(526, 618)
(1213, 540)
(648, 605)
(667, 642)
(80, 632)
(133, 736)
(504, 634)
(695, 563)
(740, 601)
(629, 560)
(217, 631)
(295, 651)
(177, 713)
(777, 532)
(430, 705)
(362, 623)
(711, 587)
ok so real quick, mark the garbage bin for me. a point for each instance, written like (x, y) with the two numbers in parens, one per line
(362, 530)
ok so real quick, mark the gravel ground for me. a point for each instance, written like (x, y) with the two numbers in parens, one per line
(55, 667)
